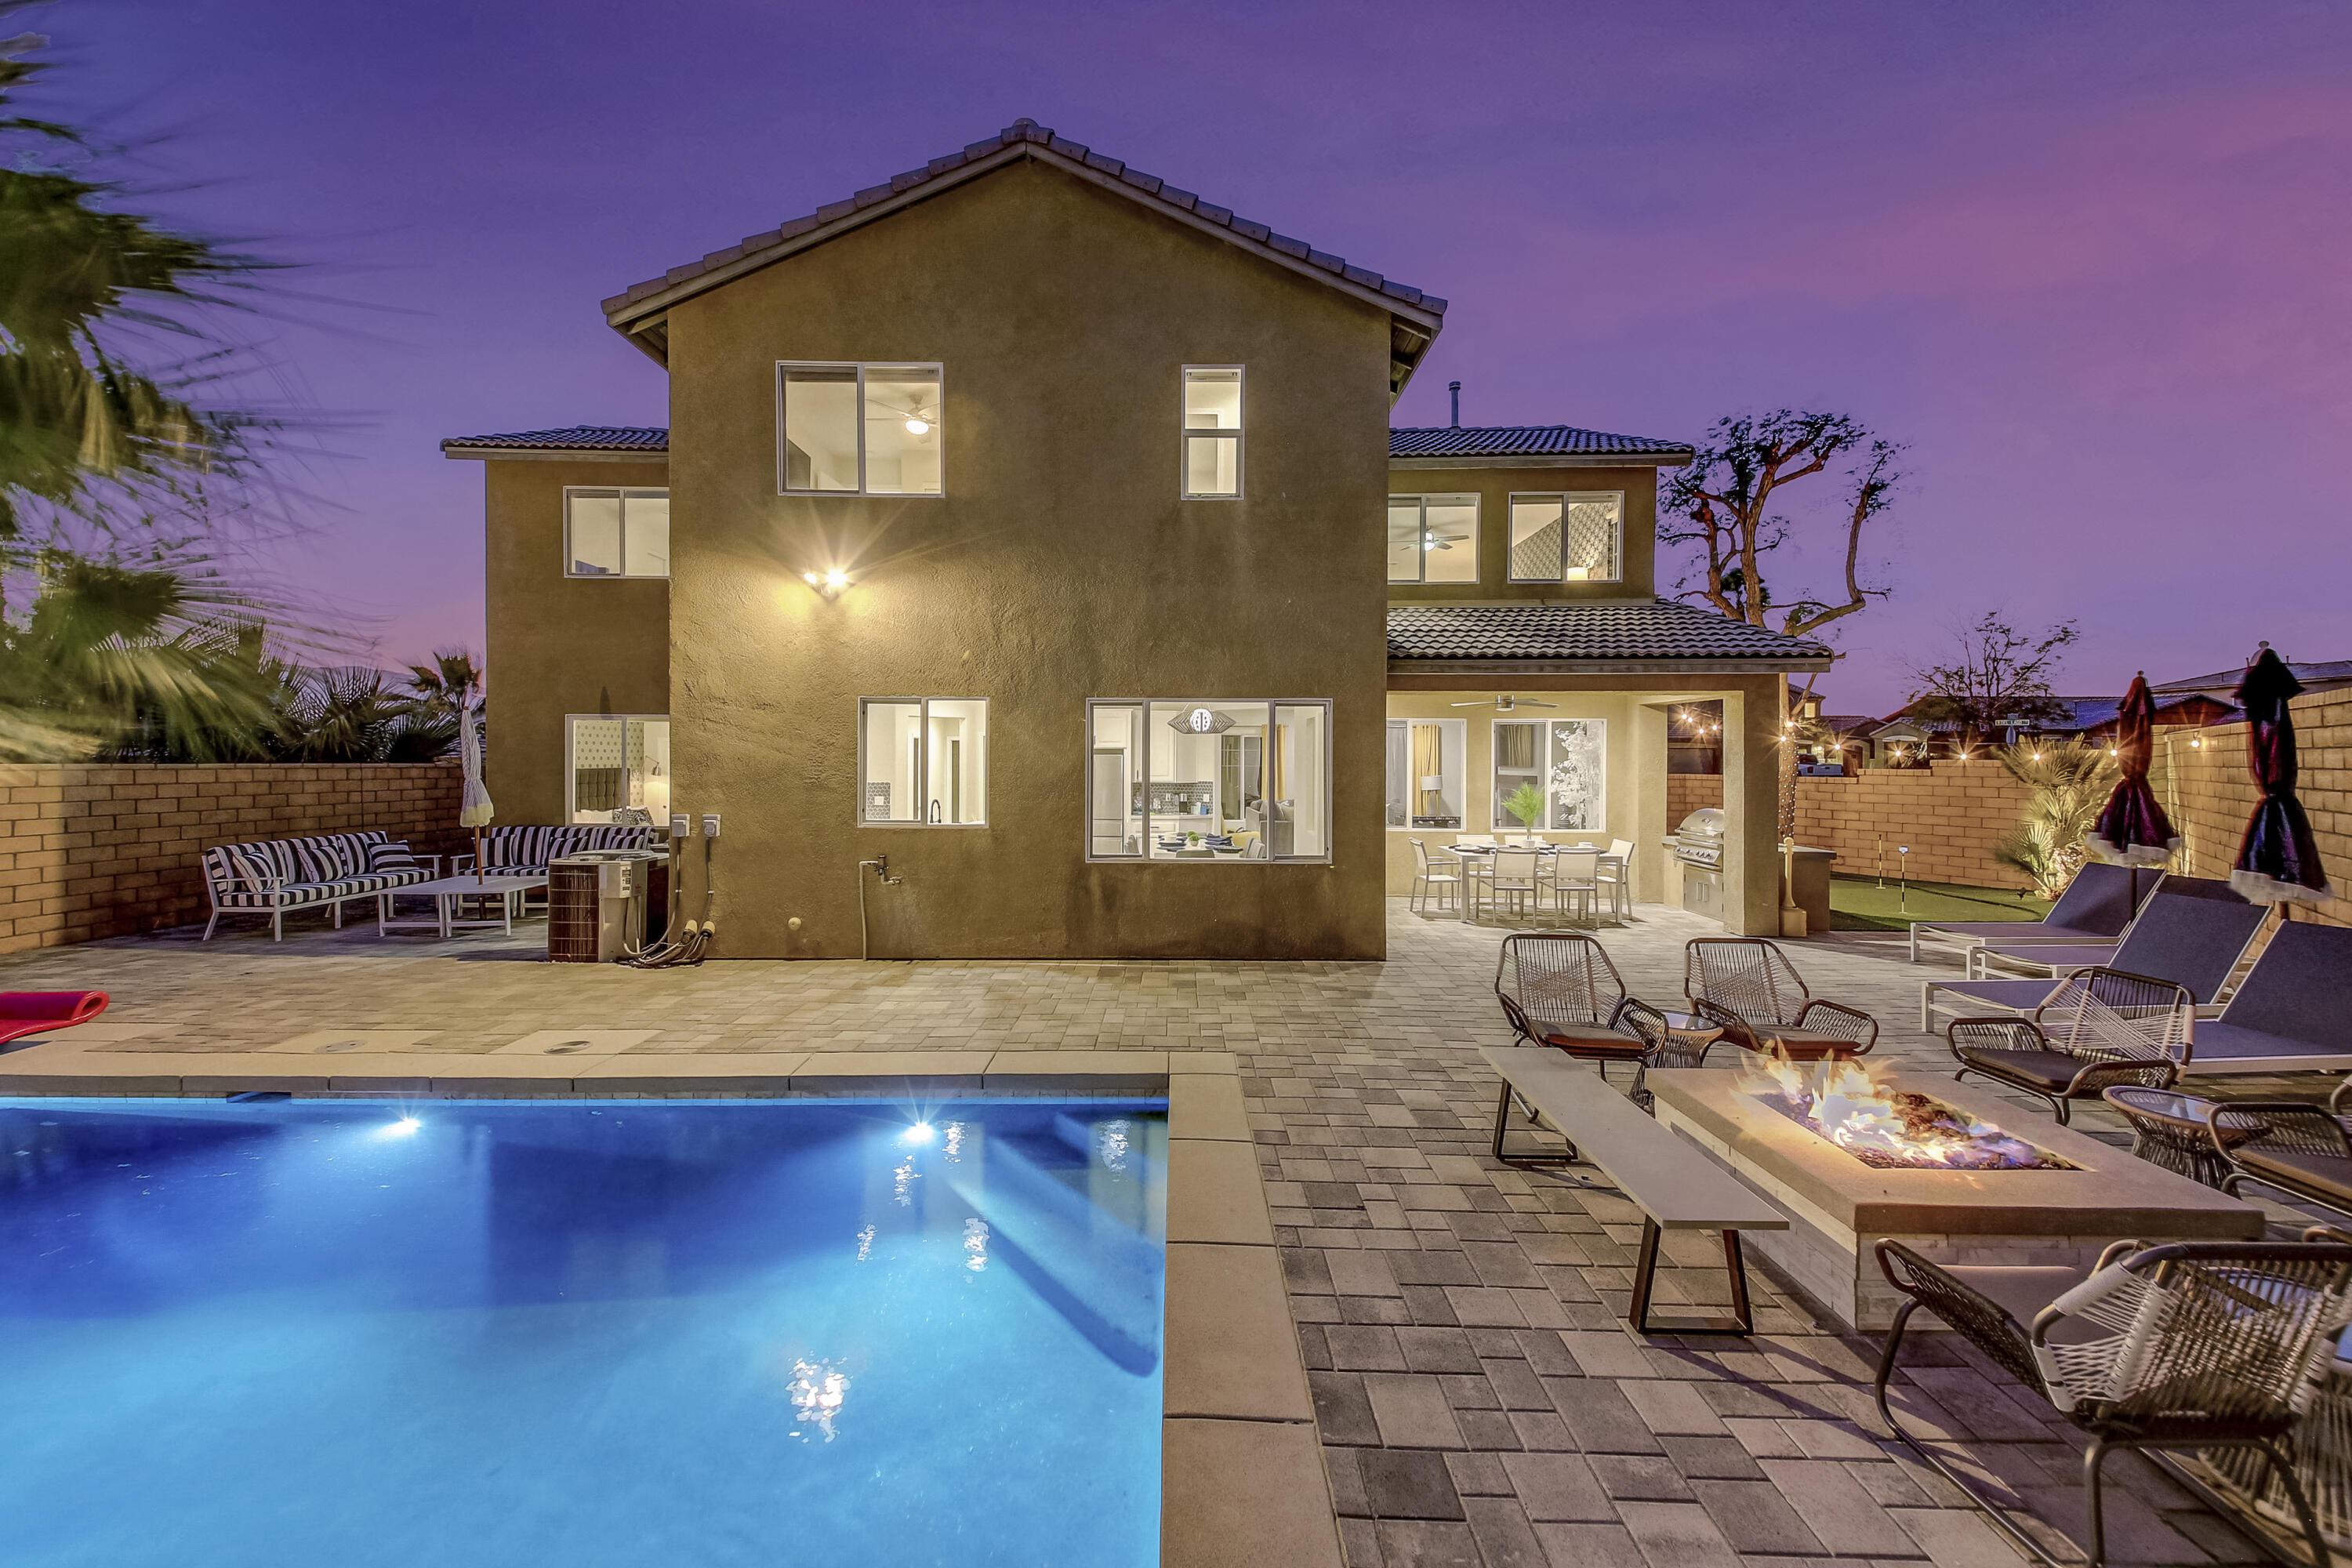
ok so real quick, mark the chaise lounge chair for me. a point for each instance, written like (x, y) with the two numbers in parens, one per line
(2055, 958)
(2289, 1014)
(2191, 941)
(2095, 907)
(23, 1013)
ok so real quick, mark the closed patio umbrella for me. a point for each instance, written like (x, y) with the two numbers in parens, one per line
(2132, 829)
(474, 809)
(2278, 863)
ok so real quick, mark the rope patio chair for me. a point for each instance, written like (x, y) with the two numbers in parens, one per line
(2101, 1027)
(1559, 989)
(2302, 1151)
(1664, 1047)
(1748, 985)
(2319, 1452)
(2188, 1346)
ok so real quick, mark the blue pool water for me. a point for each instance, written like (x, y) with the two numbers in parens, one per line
(655, 1333)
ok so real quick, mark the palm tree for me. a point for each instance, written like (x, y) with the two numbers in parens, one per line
(2070, 781)
(87, 435)
(451, 684)
(352, 714)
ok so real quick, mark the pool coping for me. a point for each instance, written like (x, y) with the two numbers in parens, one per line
(1243, 1480)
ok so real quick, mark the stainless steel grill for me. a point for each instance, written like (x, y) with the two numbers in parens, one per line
(1699, 840)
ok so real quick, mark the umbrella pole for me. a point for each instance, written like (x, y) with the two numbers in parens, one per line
(477, 852)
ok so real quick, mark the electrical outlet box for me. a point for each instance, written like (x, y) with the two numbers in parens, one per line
(710, 824)
(681, 826)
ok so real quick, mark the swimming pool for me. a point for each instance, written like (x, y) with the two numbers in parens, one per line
(654, 1333)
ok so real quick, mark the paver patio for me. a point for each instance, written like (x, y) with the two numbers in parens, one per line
(1480, 1399)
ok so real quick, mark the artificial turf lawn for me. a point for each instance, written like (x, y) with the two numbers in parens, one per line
(1859, 903)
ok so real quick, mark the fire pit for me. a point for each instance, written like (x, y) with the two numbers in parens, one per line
(1852, 1158)
(1891, 1128)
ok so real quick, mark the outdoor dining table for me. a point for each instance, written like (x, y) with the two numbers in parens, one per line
(1478, 862)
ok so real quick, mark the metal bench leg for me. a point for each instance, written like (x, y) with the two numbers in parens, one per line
(1530, 1162)
(1742, 1318)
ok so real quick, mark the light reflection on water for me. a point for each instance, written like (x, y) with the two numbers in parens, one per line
(819, 1389)
(975, 1245)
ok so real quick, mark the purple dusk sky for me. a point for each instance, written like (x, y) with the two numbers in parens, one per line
(2089, 261)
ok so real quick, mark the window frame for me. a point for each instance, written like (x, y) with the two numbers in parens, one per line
(923, 785)
(1546, 761)
(1477, 500)
(1566, 499)
(940, 372)
(1185, 436)
(571, 556)
(1143, 855)
(1456, 733)
(572, 752)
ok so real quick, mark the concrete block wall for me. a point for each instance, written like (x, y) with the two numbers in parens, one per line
(2201, 778)
(99, 850)
(1950, 814)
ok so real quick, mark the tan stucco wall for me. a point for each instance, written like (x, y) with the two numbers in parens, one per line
(558, 645)
(1494, 488)
(1060, 565)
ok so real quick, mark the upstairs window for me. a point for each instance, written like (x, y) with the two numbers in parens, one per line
(1434, 539)
(1574, 538)
(858, 429)
(615, 532)
(1212, 432)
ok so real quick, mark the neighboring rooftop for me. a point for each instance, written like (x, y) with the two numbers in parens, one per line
(639, 312)
(1461, 446)
(1636, 632)
(2318, 676)
(636, 441)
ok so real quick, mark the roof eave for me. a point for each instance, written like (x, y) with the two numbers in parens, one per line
(1554, 460)
(638, 319)
(1777, 665)
(457, 454)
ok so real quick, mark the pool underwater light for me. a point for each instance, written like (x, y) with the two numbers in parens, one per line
(920, 1133)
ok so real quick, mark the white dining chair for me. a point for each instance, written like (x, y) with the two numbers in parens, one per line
(1427, 879)
(1513, 876)
(1616, 876)
(1575, 880)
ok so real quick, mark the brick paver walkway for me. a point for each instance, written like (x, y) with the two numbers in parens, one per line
(1480, 1399)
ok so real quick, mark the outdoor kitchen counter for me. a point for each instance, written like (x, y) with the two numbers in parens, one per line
(1839, 1206)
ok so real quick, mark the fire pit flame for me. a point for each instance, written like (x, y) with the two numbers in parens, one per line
(1847, 1103)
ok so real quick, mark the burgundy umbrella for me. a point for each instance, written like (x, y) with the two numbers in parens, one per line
(2132, 829)
(2278, 863)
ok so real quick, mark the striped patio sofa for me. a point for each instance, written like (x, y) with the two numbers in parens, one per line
(526, 851)
(279, 875)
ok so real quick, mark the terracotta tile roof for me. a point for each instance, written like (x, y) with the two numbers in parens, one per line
(570, 438)
(1526, 441)
(1658, 630)
(1032, 139)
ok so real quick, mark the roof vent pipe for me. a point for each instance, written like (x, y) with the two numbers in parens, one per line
(1454, 390)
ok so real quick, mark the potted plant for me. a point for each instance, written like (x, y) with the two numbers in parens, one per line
(1527, 803)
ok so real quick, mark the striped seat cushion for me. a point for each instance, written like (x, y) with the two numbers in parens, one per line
(292, 873)
(523, 851)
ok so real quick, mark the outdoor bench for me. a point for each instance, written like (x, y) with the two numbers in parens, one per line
(278, 876)
(1670, 1180)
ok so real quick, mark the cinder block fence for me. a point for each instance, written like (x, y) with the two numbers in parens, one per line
(89, 852)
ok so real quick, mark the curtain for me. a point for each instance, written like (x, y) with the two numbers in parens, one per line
(1428, 761)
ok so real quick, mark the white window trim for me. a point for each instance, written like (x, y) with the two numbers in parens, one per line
(1144, 857)
(571, 757)
(624, 575)
(1239, 438)
(936, 367)
(923, 783)
(1462, 729)
(1477, 527)
(1565, 498)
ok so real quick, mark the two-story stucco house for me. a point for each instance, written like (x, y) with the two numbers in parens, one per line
(1021, 520)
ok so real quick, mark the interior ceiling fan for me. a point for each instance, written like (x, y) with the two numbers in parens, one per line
(1434, 540)
(918, 422)
(1505, 704)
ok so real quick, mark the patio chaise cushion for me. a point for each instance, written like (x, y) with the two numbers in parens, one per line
(2325, 1176)
(2049, 1070)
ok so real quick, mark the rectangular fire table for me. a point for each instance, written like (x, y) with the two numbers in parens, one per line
(1838, 1206)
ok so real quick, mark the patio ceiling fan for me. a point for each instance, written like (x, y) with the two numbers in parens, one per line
(1505, 704)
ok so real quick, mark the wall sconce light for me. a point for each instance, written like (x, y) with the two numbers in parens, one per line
(829, 584)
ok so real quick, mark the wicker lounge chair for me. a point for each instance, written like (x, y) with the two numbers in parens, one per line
(1559, 989)
(2189, 940)
(2301, 1150)
(2101, 1027)
(1748, 985)
(2190, 1346)
(2095, 907)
